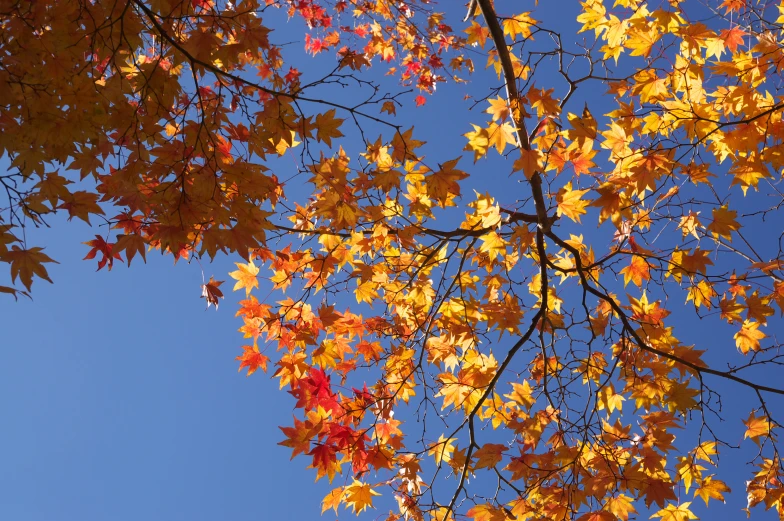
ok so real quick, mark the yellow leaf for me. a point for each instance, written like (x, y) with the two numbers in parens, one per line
(333, 500)
(443, 185)
(359, 496)
(701, 294)
(747, 339)
(499, 109)
(366, 292)
(582, 127)
(570, 202)
(676, 513)
(487, 512)
(711, 488)
(690, 223)
(442, 450)
(520, 24)
(477, 34)
(592, 16)
(706, 450)
(688, 472)
(501, 135)
(724, 222)
(522, 394)
(621, 506)
(530, 162)
(245, 277)
(493, 244)
(478, 142)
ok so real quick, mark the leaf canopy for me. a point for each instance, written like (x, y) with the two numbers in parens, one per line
(477, 334)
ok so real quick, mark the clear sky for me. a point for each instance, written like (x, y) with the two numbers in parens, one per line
(120, 397)
(120, 400)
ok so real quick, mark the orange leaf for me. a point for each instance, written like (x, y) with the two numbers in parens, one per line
(245, 276)
(327, 127)
(26, 263)
(251, 358)
(638, 271)
(490, 455)
(757, 426)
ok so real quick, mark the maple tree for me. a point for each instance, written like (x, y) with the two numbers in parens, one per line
(489, 334)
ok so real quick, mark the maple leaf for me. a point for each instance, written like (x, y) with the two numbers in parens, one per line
(522, 394)
(246, 277)
(749, 336)
(443, 184)
(616, 140)
(251, 358)
(658, 491)
(676, 513)
(299, 436)
(599, 515)
(621, 506)
(583, 127)
(359, 496)
(328, 127)
(641, 41)
(592, 16)
(487, 512)
(442, 450)
(701, 294)
(14, 292)
(477, 34)
(638, 271)
(131, 244)
(325, 461)
(27, 262)
(489, 455)
(81, 204)
(757, 426)
(519, 24)
(501, 135)
(389, 107)
(711, 488)
(530, 162)
(478, 142)
(211, 292)
(499, 109)
(333, 499)
(732, 37)
(733, 5)
(106, 249)
(570, 202)
(724, 223)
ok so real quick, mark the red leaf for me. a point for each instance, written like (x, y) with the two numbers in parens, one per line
(105, 248)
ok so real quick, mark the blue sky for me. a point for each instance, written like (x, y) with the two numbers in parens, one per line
(121, 400)
(120, 396)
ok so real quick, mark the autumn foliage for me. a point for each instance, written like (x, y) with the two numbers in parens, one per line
(508, 330)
